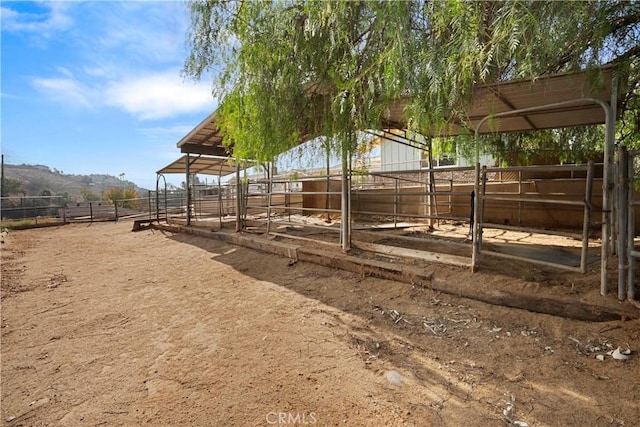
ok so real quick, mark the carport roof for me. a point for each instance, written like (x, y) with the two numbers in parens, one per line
(552, 101)
(206, 138)
(578, 92)
(206, 165)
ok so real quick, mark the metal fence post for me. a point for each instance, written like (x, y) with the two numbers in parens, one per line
(587, 218)
(621, 223)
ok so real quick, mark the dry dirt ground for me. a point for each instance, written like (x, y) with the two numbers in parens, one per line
(102, 326)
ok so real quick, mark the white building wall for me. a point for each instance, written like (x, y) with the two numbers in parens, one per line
(398, 157)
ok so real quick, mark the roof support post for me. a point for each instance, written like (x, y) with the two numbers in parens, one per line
(238, 198)
(607, 187)
(622, 211)
(188, 185)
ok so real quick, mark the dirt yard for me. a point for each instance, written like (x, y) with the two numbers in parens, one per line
(102, 326)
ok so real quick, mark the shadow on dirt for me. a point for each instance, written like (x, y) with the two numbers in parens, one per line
(460, 351)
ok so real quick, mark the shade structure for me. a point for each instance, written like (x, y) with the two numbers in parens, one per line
(554, 101)
(206, 165)
(551, 101)
(206, 138)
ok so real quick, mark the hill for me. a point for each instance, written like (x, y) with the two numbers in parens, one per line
(36, 180)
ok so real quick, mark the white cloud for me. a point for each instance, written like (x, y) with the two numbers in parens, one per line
(164, 132)
(142, 31)
(158, 96)
(47, 19)
(64, 90)
(150, 96)
(123, 55)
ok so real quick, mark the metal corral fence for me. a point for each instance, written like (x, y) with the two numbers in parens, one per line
(563, 200)
(59, 209)
(560, 198)
(23, 207)
(534, 198)
(273, 203)
(426, 195)
(206, 203)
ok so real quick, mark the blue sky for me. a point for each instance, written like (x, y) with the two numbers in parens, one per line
(95, 86)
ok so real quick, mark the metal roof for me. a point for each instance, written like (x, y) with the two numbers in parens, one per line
(206, 138)
(207, 165)
(553, 101)
(577, 92)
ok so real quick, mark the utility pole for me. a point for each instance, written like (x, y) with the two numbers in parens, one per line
(2, 176)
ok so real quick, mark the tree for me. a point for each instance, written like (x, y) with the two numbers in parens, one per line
(88, 195)
(11, 186)
(126, 198)
(286, 71)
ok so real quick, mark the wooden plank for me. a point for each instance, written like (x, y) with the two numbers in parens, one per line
(413, 253)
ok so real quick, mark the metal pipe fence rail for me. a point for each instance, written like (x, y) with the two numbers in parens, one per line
(580, 201)
(309, 208)
(428, 194)
(213, 202)
(16, 208)
(273, 202)
(58, 209)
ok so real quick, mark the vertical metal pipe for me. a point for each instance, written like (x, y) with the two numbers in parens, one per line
(631, 231)
(474, 228)
(480, 208)
(2, 189)
(245, 195)
(344, 203)
(158, 198)
(220, 207)
(349, 179)
(433, 208)
(451, 195)
(621, 201)
(188, 185)
(610, 125)
(287, 198)
(395, 202)
(613, 216)
(238, 198)
(327, 196)
(166, 202)
(269, 195)
(587, 217)
(519, 197)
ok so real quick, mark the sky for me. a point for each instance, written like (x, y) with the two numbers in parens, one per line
(95, 86)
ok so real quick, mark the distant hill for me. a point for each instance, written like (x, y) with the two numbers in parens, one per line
(36, 179)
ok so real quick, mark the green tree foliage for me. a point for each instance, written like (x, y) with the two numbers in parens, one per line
(11, 187)
(126, 198)
(88, 195)
(290, 70)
